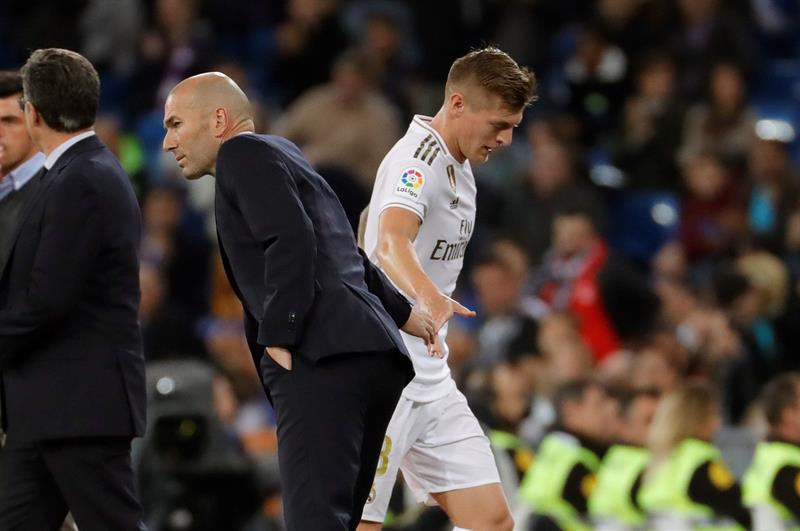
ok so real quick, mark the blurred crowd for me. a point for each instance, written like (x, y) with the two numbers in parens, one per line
(641, 236)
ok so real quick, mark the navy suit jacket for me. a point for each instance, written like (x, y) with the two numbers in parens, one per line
(70, 348)
(291, 257)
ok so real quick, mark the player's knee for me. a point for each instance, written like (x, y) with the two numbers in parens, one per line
(500, 520)
(503, 522)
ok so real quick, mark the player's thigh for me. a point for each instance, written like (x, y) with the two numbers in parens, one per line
(369, 526)
(453, 453)
(483, 507)
(400, 434)
(454, 466)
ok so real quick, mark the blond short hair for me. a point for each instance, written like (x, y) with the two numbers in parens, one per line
(496, 72)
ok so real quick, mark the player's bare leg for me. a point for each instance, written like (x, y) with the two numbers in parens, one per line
(369, 526)
(482, 508)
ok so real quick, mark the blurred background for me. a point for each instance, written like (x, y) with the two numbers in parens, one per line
(642, 231)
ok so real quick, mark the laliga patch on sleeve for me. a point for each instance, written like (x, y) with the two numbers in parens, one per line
(410, 184)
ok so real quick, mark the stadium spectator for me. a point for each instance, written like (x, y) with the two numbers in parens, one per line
(531, 199)
(176, 43)
(309, 38)
(652, 128)
(774, 192)
(771, 485)
(558, 485)
(686, 483)
(724, 124)
(712, 212)
(706, 33)
(360, 125)
(614, 503)
(568, 278)
(498, 279)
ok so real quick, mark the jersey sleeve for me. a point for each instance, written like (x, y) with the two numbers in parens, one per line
(407, 183)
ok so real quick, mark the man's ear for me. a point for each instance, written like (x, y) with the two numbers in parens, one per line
(220, 121)
(36, 118)
(456, 103)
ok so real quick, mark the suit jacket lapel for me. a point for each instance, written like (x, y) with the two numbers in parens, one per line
(44, 180)
(31, 197)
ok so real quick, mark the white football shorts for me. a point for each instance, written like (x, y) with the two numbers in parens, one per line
(439, 446)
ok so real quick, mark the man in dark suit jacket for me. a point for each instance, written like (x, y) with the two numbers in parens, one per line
(20, 159)
(70, 349)
(20, 162)
(326, 319)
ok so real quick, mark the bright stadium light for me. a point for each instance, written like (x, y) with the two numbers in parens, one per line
(779, 130)
(165, 385)
(664, 214)
(607, 175)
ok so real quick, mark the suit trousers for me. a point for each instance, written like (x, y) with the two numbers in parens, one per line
(332, 417)
(91, 477)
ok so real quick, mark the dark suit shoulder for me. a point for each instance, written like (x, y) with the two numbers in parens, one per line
(249, 144)
(245, 156)
(86, 175)
(245, 150)
(80, 175)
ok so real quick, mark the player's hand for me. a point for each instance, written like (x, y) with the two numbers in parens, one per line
(420, 324)
(281, 356)
(442, 308)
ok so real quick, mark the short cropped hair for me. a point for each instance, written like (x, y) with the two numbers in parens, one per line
(63, 86)
(572, 391)
(496, 72)
(10, 83)
(779, 395)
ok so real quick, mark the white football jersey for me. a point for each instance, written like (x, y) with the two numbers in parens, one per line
(420, 175)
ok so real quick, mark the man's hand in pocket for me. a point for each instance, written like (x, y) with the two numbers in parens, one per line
(281, 356)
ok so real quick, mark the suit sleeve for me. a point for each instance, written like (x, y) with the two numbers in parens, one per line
(262, 187)
(379, 285)
(71, 235)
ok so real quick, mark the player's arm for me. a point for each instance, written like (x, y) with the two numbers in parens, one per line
(786, 488)
(713, 484)
(410, 319)
(578, 488)
(397, 229)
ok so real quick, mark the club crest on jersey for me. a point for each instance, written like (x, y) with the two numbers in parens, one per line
(451, 176)
(410, 184)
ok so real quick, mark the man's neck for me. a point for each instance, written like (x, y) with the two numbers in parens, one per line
(441, 125)
(52, 139)
(783, 435)
(245, 126)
